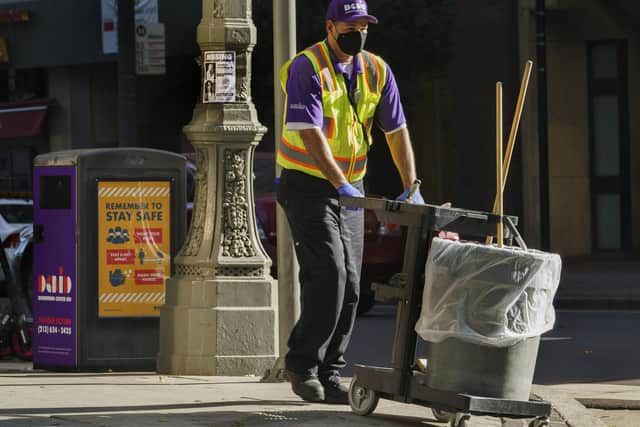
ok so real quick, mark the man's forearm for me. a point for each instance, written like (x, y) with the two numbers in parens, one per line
(318, 147)
(402, 153)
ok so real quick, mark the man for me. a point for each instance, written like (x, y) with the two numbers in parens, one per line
(335, 92)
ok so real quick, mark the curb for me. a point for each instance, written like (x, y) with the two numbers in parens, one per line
(609, 404)
(574, 413)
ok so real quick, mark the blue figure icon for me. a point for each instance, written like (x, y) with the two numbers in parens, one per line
(141, 256)
(118, 237)
(117, 278)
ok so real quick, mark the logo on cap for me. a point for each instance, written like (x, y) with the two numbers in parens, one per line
(353, 7)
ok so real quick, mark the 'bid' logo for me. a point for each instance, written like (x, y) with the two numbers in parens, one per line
(59, 284)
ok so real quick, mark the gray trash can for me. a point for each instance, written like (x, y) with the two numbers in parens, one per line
(482, 370)
(484, 309)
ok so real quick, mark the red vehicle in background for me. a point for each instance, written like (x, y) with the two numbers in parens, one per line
(383, 249)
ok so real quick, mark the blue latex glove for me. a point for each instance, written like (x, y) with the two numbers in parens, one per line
(416, 199)
(349, 190)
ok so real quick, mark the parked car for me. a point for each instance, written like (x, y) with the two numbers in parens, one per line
(17, 210)
(16, 276)
(383, 245)
(16, 235)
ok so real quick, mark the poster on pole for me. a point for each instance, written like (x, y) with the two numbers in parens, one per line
(134, 245)
(146, 12)
(219, 83)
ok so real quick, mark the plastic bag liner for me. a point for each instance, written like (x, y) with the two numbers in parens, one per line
(487, 295)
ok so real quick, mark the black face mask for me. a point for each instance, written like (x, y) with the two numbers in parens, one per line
(352, 42)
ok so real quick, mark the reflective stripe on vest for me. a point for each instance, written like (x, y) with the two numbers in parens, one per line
(302, 157)
(347, 139)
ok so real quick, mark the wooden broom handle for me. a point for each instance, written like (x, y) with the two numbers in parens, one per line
(511, 142)
(499, 161)
(524, 85)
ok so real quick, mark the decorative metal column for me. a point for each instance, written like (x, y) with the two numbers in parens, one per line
(220, 312)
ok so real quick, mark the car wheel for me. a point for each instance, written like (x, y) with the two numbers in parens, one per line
(27, 279)
(21, 346)
(5, 338)
(5, 349)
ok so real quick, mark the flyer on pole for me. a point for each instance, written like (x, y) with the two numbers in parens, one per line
(219, 83)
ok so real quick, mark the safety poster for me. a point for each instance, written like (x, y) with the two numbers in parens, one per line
(134, 245)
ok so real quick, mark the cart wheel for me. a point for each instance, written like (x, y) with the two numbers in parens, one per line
(460, 420)
(363, 401)
(5, 349)
(442, 416)
(539, 422)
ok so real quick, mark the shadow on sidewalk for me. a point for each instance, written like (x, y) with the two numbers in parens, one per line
(64, 381)
(248, 418)
(136, 408)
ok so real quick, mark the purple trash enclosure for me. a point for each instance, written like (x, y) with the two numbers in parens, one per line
(54, 273)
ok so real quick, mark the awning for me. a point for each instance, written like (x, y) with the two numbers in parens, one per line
(23, 119)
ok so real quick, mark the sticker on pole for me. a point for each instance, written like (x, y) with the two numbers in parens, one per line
(219, 83)
(150, 49)
(134, 245)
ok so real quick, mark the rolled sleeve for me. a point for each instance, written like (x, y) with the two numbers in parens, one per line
(304, 94)
(390, 114)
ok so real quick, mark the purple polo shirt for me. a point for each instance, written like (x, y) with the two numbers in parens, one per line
(304, 94)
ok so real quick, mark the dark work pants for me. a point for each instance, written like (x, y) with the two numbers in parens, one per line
(328, 243)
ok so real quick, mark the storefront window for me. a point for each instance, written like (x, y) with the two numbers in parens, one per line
(609, 140)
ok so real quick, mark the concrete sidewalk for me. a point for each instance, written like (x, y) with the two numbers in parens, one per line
(43, 399)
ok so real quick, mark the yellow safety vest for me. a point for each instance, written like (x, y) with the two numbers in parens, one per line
(348, 141)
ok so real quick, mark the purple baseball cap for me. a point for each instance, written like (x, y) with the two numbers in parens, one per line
(349, 11)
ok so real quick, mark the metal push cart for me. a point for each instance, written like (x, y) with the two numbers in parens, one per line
(404, 381)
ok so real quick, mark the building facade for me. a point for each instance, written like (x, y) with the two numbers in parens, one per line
(54, 58)
(54, 53)
(592, 181)
(593, 74)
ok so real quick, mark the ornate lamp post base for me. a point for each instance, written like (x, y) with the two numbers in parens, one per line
(220, 313)
(218, 327)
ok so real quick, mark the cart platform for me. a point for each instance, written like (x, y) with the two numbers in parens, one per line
(403, 381)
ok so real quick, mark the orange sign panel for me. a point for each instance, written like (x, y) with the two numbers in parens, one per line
(134, 235)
